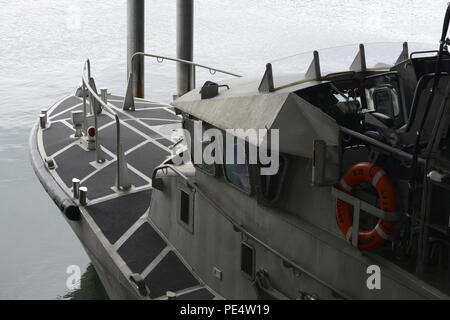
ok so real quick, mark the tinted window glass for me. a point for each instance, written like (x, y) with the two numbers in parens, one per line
(271, 185)
(198, 140)
(236, 170)
(184, 207)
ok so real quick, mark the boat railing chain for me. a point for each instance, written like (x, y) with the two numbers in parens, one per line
(129, 96)
(122, 177)
(241, 228)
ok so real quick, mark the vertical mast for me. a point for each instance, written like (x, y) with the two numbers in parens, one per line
(135, 43)
(185, 46)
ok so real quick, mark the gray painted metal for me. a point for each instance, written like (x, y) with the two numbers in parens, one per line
(76, 188)
(43, 121)
(136, 43)
(404, 55)
(314, 68)
(266, 84)
(128, 102)
(298, 121)
(359, 63)
(239, 227)
(185, 46)
(123, 178)
(83, 195)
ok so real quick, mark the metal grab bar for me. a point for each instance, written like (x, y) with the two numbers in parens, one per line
(242, 229)
(128, 103)
(160, 59)
(122, 178)
(379, 144)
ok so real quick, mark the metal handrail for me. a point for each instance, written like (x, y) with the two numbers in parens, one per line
(211, 69)
(128, 103)
(379, 144)
(121, 181)
(241, 229)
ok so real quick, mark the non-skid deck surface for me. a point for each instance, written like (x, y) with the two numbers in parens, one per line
(146, 135)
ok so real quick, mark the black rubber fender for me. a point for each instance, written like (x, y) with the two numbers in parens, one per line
(59, 197)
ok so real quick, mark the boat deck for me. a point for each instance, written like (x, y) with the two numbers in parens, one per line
(118, 219)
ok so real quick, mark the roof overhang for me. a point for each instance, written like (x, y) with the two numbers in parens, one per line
(299, 123)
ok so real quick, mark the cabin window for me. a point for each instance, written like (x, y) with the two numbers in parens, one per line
(383, 95)
(271, 185)
(247, 260)
(235, 167)
(185, 207)
(200, 141)
(207, 168)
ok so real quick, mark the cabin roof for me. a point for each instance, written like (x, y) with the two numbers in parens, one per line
(243, 107)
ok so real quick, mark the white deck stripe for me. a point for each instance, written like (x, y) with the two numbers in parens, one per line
(64, 111)
(155, 261)
(124, 237)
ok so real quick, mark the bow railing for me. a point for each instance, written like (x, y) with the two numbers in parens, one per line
(97, 105)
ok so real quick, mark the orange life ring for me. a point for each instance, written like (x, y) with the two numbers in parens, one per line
(359, 173)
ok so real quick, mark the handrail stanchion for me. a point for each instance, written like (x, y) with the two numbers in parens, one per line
(83, 90)
(193, 75)
(128, 101)
(122, 177)
(100, 157)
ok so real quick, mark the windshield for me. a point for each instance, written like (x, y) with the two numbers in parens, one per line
(378, 56)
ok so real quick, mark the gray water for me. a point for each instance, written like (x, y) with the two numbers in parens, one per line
(43, 44)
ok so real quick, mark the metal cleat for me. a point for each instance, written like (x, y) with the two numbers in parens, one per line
(83, 195)
(140, 284)
(76, 187)
(50, 163)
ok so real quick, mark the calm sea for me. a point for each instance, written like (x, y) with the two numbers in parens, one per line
(43, 44)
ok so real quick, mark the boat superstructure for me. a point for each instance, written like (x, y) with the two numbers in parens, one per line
(357, 207)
